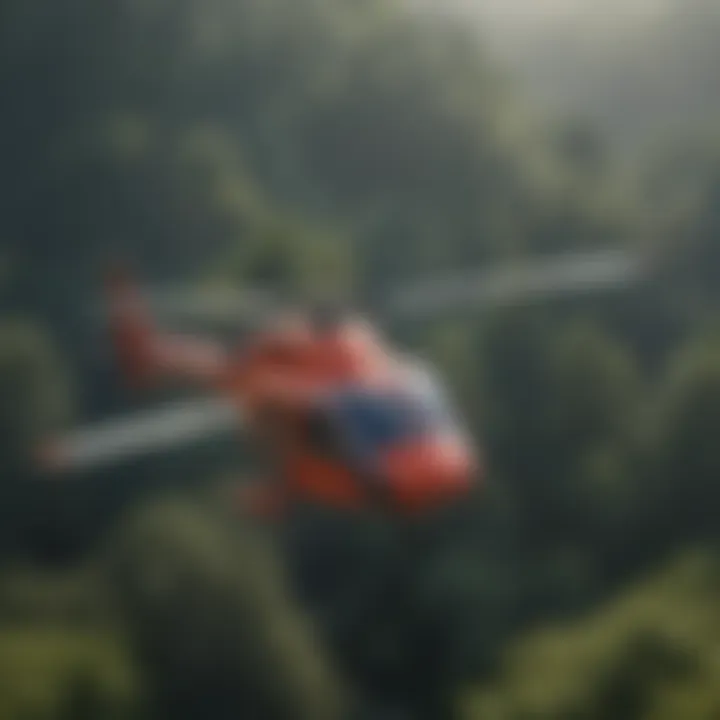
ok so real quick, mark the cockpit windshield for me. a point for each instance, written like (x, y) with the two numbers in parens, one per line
(377, 419)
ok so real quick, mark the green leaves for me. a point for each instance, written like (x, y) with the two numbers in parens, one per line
(51, 673)
(646, 655)
(34, 394)
(209, 615)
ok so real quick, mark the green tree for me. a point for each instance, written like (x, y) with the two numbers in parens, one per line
(34, 401)
(56, 674)
(62, 654)
(212, 622)
(687, 460)
(651, 654)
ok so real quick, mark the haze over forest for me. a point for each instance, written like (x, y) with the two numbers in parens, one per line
(634, 69)
(344, 147)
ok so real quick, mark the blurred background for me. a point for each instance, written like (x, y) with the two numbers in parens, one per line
(362, 143)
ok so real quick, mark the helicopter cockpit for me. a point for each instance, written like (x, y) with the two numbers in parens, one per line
(368, 421)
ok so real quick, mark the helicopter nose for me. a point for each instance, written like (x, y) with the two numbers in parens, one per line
(428, 473)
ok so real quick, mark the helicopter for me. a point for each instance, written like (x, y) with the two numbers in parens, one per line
(350, 421)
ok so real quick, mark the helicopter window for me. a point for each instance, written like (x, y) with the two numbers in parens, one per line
(374, 420)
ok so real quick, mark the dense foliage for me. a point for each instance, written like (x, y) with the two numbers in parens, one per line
(345, 146)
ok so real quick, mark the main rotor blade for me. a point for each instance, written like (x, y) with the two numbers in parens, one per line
(137, 435)
(219, 305)
(572, 274)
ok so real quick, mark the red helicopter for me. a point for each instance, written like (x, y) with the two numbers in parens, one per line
(349, 421)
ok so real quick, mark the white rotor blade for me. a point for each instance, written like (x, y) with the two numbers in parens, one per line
(516, 283)
(218, 304)
(140, 434)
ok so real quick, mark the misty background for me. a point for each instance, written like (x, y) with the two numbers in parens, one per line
(342, 147)
(638, 72)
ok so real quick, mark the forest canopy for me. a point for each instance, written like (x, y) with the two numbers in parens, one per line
(342, 147)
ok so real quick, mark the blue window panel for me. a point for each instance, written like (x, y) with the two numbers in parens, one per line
(376, 420)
